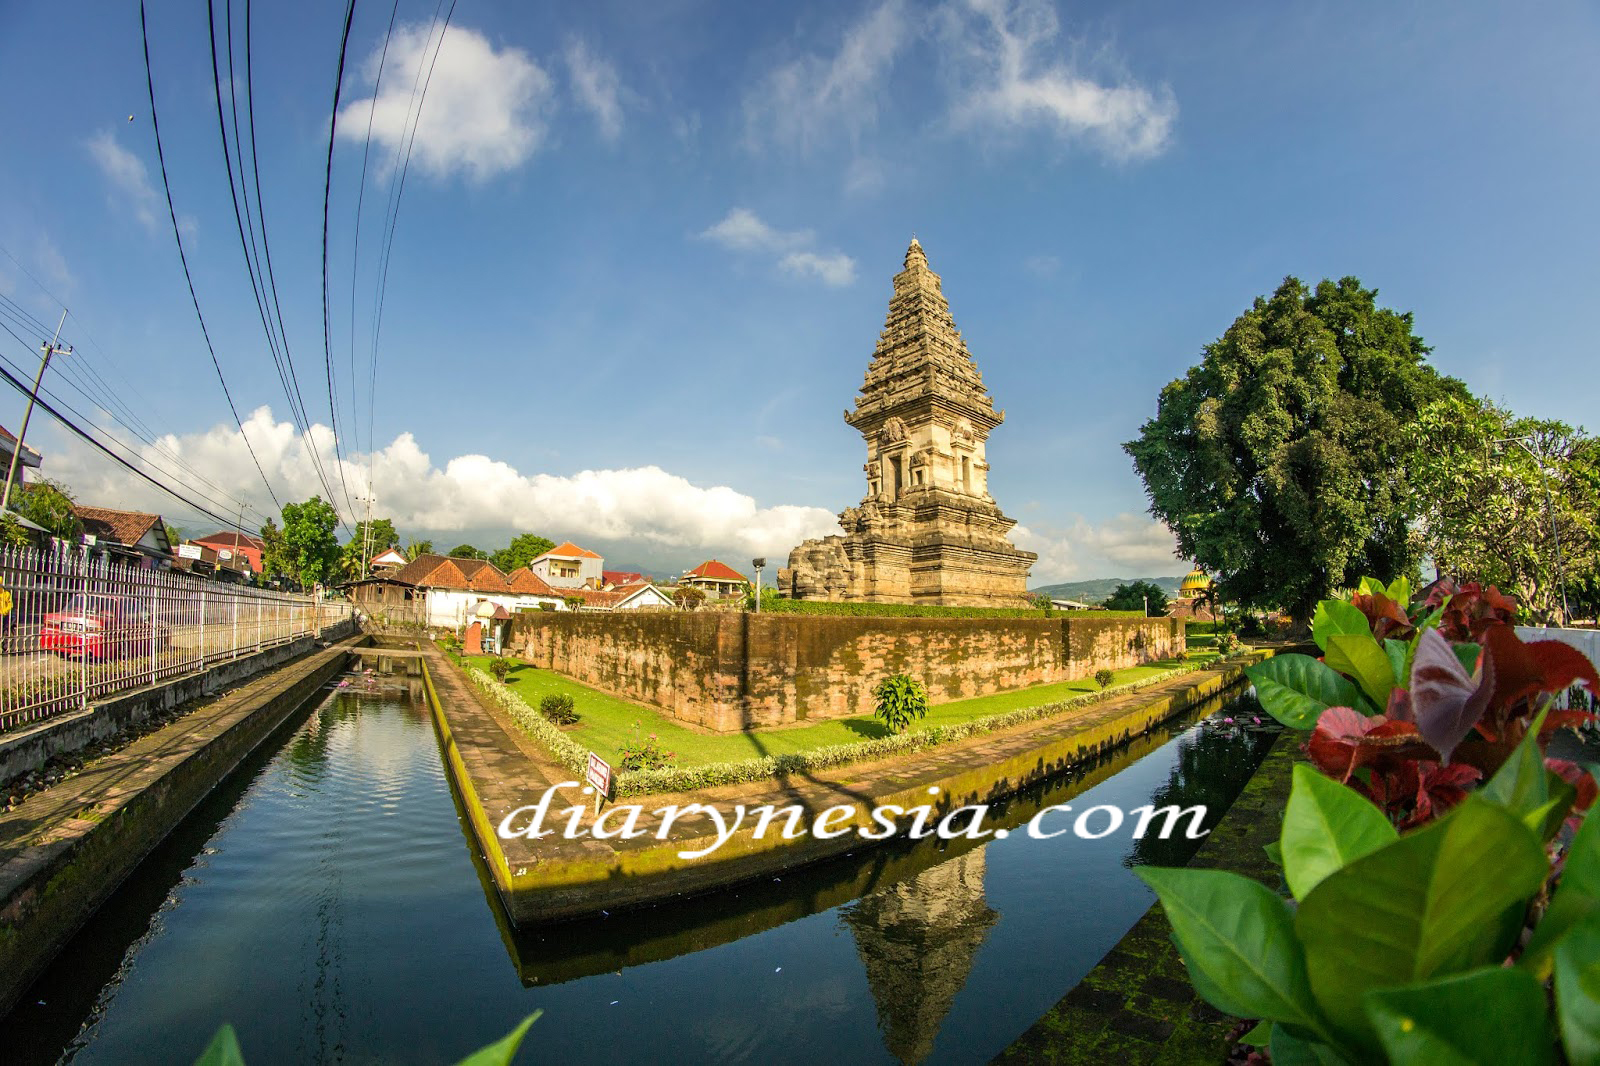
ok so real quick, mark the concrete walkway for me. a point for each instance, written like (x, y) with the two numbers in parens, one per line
(497, 770)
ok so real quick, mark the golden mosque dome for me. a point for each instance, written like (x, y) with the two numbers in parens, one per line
(1194, 581)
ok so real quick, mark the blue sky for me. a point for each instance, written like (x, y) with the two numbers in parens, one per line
(644, 250)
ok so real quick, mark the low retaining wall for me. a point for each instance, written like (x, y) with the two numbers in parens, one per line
(729, 672)
(70, 847)
(28, 748)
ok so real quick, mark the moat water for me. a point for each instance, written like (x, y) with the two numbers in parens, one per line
(328, 901)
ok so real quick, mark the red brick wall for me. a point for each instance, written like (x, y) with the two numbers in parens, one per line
(736, 671)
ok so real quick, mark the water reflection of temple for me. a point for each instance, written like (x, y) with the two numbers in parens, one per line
(917, 941)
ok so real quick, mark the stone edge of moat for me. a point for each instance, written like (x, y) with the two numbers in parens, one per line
(74, 844)
(1138, 1006)
(564, 879)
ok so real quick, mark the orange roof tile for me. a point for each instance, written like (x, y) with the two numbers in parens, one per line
(569, 550)
(123, 527)
(712, 570)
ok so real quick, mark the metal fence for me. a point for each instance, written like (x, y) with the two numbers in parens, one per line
(77, 627)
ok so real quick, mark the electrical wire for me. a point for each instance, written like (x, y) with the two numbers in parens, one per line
(327, 192)
(172, 214)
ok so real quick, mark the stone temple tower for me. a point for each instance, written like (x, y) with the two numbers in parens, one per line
(927, 531)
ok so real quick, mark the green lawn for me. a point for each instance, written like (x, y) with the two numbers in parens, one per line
(608, 721)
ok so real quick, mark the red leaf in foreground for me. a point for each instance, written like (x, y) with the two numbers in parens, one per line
(1344, 741)
(1578, 778)
(1445, 700)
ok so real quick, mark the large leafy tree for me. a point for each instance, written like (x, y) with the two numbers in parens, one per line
(467, 551)
(1276, 460)
(367, 540)
(49, 504)
(274, 553)
(523, 550)
(1133, 596)
(415, 548)
(310, 545)
(1499, 494)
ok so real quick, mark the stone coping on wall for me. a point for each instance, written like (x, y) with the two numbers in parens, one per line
(65, 850)
(1137, 1006)
(497, 771)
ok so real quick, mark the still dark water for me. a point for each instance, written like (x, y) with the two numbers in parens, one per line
(328, 903)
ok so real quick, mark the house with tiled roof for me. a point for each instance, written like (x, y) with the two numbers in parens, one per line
(567, 566)
(389, 559)
(135, 535)
(716, 579)
(639, 596)
(618, 578)
(236, 548)
(444, 592)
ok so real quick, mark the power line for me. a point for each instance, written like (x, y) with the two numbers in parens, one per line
(327, 191)
(172, 214)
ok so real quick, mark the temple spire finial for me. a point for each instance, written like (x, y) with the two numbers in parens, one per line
(914, 253)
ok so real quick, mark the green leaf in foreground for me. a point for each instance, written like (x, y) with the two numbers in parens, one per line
(1577, 897)
(1327, 826)
(1578, 991)
(1295, 689)
(1418, 908)
(501, 1052)
(1238, 942)
(1489, 1017)
(1358, 655)
(1337, 616)
(223, 1049)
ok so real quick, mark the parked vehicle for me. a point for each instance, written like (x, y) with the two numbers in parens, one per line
(102, 627)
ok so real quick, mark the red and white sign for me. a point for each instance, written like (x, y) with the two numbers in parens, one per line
(599, 775)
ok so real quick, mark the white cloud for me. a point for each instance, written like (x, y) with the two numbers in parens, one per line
(469, 495)
(836, 270)
(1128, 545)
(128, 177)
(597, 88)
(485, 111)
(811, 98)
(742, 230)
(1007, 79)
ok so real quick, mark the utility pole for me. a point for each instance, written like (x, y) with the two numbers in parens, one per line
(1550, 513)
(49, 349)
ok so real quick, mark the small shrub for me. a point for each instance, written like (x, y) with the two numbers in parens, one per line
(557, 708)
(900, 699)
(499, 667)
(1104, 676)
(573, 602)
(1227, 644)
(642, 752)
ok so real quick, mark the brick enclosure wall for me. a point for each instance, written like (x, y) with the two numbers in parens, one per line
(738, 671)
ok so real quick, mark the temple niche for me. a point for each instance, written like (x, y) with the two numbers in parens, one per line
(927, 530)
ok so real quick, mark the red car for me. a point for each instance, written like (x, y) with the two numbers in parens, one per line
(101, 627)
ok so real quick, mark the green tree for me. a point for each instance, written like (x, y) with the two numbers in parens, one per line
(900, 699)
(310, 545)
(1131, 596)
(364, 543)
(415, 547)
(467, 551)
(49, 504)
(1276, 461)
(1491, 486)
(274, 553)
(524, 549)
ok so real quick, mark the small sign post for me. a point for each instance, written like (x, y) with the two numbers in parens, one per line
(599, 775)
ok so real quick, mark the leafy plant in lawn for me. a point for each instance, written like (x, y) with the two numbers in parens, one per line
(557, 707)
(500, 666)
(643, 752)
(1104, 676)
(1453, 880)
(900, 700)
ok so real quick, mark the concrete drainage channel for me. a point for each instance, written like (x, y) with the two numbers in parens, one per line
(64, 851)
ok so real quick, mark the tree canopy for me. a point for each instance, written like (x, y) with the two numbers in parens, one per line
(1132, 596)
(364, 543)
(49, 504)
(1497, 495)
(310, 544)
(524, 549)
(415, 548)
(1276, 461)
(467, 551)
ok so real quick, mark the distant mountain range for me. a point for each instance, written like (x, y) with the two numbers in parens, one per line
(1099, 589)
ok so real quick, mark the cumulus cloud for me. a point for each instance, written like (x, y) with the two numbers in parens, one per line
(813, 97)
(128, 177)
(742, 230)
(1007, 79)
(486, 109)
(596, 87)
(1128, 545)
(469, 495)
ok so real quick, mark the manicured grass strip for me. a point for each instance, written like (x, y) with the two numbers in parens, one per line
(707, 759)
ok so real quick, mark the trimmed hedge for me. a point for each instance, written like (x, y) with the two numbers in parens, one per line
(907, 610)
(688, 778)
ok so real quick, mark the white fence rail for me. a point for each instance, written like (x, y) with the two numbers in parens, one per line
(80, 627)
